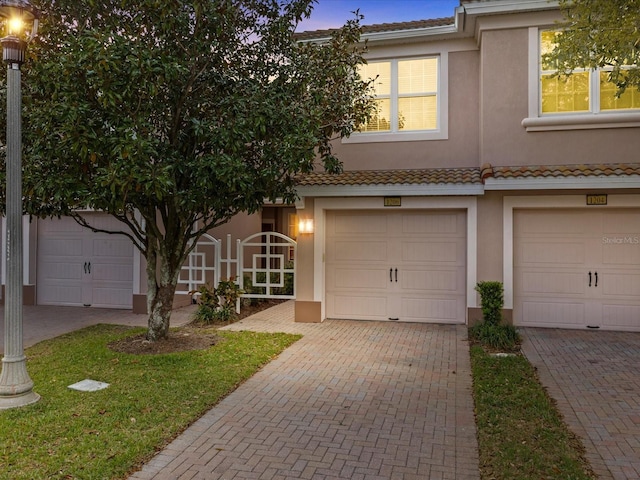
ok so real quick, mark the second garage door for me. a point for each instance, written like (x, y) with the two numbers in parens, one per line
(78, 267)
(406, 266)
(577, 268)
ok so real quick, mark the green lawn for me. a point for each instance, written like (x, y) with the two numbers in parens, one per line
(520, 432)
(106, 434)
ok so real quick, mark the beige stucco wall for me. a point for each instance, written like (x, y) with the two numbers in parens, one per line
(504, 88)
(490, 237)
(460, 150)
(304, 264)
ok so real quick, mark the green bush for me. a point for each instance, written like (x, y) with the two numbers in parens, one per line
(218, 304)
(499, 337)
(491, 331)
(491, 301)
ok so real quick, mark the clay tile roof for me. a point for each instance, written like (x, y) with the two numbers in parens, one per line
(435, 176)
(382, 27)
(561, 171)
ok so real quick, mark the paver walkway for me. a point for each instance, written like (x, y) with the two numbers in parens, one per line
(350, 400)
(595, 379)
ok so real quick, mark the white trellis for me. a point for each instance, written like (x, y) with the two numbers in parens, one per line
(272, 270)
(263, 265)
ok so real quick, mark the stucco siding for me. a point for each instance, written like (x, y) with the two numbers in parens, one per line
(461, 148)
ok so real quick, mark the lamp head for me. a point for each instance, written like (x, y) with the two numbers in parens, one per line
(20, 19)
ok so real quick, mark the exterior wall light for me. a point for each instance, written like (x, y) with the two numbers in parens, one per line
(305, 226)
(19, 20)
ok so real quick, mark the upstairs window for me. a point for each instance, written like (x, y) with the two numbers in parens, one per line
(410, 96)
(584, 91)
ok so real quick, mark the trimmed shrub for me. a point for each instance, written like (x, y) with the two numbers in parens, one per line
(491, 331)
(491, 301)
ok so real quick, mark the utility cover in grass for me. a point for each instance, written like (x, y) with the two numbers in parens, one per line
(88, 385)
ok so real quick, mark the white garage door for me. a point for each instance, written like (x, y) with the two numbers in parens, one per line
(577, 268)
(407, 266)
(79, 267)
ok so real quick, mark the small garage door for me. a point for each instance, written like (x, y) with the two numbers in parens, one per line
(407, 266)
(78, 267)
(577, 268)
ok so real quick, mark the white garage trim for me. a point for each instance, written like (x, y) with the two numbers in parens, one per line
(544, 202)
(321, 205)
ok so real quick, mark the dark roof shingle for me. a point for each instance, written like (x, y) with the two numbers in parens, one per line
(380, 28)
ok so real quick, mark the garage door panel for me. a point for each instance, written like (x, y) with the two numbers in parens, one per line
(358, 307)
(360, 279)
(552, 283)
(111, 297)
(433, 224)
(553, 314)
(431, 252)
(425, 281)
(615, 284)
(60, 271)
(551, 224)
(62, 247)
(621, 224)
(551, 252)
(363, 251)
(63, 225)
(621, 254)
(60, 294)
(620, 317)
(437, 310)
(360, 224)
(113, 250)
(112, 273)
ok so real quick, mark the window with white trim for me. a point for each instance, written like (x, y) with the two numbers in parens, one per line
(583, 91)
(583, 100)
(410, 97)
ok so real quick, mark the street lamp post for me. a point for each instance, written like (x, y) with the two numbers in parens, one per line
(21, 24)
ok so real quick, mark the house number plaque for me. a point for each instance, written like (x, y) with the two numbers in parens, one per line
(392, 201)
(596, 199)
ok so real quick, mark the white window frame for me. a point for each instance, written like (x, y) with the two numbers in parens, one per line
(537, 121)
(441, 132)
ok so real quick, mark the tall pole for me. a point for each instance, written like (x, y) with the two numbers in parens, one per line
(16, 387)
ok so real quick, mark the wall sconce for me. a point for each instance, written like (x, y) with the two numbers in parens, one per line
(305, 226)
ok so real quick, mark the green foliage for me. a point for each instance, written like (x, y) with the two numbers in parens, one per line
(217, 304)
(499, 337)
(151, 399)
(170, 115)
(597, 34)
(521, 435)
(491, 301)
(491, 331)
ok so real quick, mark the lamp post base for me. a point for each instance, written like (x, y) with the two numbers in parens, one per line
(18, 400)
(16, 388)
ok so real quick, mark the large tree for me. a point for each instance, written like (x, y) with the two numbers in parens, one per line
(175, 115)
(598, 34)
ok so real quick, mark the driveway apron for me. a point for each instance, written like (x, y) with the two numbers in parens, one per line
(594, 378)
(350, 400)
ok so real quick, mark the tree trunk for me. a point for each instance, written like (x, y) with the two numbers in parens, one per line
(161, 287)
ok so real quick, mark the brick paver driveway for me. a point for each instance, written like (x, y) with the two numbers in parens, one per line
(351, 400)
(595, 379)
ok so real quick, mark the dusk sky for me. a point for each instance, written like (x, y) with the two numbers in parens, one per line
(334, 13)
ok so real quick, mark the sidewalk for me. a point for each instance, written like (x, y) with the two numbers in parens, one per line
(43, 322)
